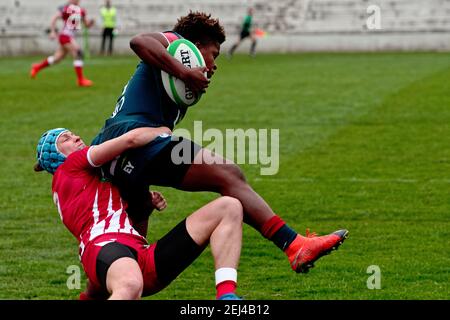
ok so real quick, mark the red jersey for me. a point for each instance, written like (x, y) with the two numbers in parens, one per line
(88, 206)
(72, 15)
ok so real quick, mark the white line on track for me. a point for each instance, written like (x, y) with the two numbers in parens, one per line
(353, 179)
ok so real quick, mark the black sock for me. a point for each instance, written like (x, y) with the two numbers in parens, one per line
(232, 49)
(253, 48)
(284, 237)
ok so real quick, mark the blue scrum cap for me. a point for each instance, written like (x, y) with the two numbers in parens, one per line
(48, 155)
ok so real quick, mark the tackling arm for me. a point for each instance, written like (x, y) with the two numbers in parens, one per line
(110, 149)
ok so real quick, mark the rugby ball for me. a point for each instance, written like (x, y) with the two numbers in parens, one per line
(190, 56)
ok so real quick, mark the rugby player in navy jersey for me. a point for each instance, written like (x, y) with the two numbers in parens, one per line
(144, 103)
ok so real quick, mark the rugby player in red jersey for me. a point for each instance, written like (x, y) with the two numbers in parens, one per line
(72, 16)
(118, 261)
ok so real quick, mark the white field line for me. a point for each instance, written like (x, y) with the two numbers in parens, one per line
(355, 180)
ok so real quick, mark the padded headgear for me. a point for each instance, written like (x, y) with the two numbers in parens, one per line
(48, 155)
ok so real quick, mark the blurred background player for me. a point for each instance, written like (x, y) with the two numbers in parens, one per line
(118, 262)
(246, 32)
(109, 18)
(72, 16)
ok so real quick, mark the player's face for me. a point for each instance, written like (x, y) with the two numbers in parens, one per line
(69, 142)
(210, 52)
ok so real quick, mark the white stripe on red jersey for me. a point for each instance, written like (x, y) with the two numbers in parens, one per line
(72, 16)
(89, 206)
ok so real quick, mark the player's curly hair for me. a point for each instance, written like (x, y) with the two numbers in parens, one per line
(200, 27)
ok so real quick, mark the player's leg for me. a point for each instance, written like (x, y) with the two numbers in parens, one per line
(225, 240)
(146, 203)
(140, 206)
(226, 178)
(213, 173)
(218, 223)
(124, 280)
(111, 39)
(233, 48)
(78, 63)
(102, 48)
(118, 271)
(253, 46)
(242, 36)
(128, 174)
(93, 292)
(205, 172)
(59, 54)
(150, 167)
(111, 265)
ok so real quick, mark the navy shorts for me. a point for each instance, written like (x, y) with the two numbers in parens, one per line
(164, 162)
(244, 34)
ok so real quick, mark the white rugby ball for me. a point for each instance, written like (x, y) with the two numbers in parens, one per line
(190, 56)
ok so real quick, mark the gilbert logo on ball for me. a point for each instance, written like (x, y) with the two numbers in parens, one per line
(190, 56)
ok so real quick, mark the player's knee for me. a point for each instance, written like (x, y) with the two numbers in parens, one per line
(232, 209)
(80, 54)
(234, 172)
(124, 279)
(232, 178)
(130, 287)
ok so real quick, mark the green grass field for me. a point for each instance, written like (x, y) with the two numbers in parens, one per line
(363, 145)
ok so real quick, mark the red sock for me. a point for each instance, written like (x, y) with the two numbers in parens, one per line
(79, 72)
(271, 226)
(225, 287)
(78, 65)
(84, 296)
(41, 65)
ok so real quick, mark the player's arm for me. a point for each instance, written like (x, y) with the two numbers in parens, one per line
(53, 24)
(87, 23)
(110, 149)
(151, 48)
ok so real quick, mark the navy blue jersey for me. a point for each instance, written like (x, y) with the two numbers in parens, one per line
(143, 103)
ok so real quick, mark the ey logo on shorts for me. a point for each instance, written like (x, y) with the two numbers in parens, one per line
(128, 167)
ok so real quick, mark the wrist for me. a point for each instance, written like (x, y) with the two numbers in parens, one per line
(182, 73)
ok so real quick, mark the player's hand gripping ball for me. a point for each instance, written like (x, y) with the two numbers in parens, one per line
(190, 56)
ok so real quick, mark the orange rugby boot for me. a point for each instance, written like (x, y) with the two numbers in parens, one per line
(34, 70)
(304, 251)
(83, 82)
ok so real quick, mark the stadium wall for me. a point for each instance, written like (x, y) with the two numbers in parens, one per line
(290, 25)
